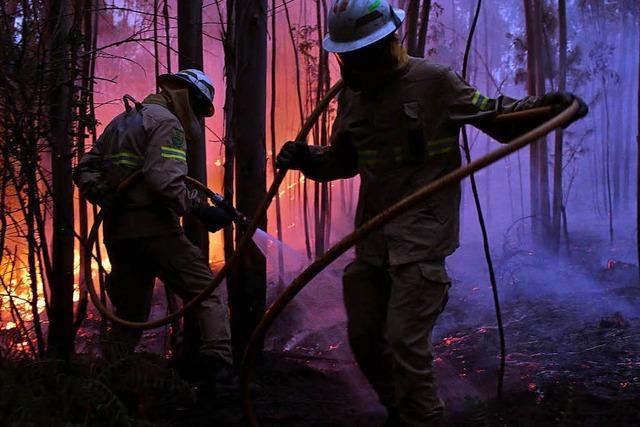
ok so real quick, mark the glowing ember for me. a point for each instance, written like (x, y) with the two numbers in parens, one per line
(451, 340)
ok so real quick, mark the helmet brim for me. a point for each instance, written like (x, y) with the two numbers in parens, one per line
(342, 47)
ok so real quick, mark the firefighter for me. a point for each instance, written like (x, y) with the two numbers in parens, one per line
(142, 230)
(397, 127)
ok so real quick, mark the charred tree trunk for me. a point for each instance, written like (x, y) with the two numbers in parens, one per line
(321, 190)
(190, 56)
(59, 16)
(83, 120)
(247, 291)
(559, 143)
(172, 301)
(230, 75)
(273, 139)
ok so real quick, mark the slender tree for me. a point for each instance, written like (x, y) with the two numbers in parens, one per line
(559, 143)
(423, 27)
(538, 169)
(411, 36)
(228, 44)
(638, 166)
(274, 76)
(247, 288)
(190, 56)
(59, 20)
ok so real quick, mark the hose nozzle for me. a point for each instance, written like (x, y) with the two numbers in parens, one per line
(238, 217)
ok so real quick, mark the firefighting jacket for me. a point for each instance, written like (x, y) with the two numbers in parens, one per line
(399, 138)
(152, 139)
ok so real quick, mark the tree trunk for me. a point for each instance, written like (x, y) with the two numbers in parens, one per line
(538, 176)
(531, 89)
(543, 174)
(247, 292)
(59, 16)
(638, 167)
(190, 56)
(411, 36)
(83, 120)
(424, 27)
(273, 139)
(559, 143)
(229, 75)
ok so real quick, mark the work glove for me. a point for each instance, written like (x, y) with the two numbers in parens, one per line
(293, 155)
(213, 218)
(100, 194)
(563, 100)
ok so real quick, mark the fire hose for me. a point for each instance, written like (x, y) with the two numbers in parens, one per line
(243, 244)
(376, 222)
(321, 263)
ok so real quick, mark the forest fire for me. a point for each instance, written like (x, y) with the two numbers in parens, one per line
(390, 243)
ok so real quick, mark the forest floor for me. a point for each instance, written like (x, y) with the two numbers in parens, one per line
(573, 343)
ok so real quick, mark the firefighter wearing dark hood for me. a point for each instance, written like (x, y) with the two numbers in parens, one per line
(142, 230)
(397, 127)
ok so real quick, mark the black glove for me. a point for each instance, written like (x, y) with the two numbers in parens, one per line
(212, 217)
(293, 155)
(563, 100)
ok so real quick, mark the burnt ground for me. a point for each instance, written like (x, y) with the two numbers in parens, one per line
(573, 343)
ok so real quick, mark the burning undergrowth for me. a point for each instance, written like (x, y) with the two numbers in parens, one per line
(573, 353)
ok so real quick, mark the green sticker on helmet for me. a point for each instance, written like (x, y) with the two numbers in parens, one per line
(373, 6)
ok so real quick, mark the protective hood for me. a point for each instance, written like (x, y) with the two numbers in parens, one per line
(176, 100)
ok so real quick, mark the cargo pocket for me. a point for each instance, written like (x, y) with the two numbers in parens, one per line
(414, 150)
(435, 273)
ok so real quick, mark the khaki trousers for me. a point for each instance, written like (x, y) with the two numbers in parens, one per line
(135, 264)
(391, 312)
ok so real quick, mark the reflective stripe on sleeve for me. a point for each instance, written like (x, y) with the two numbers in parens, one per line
(125, 158)
(442, 145)
(480, 101)
(173, 153)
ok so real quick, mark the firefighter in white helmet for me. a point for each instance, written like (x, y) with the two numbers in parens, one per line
(142, 229)
(397, 127)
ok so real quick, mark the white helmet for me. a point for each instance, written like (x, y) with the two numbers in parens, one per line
(354, 24)
(199, 82)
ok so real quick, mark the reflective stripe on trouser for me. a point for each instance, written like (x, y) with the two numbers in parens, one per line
(135, 263)
(391, 312)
